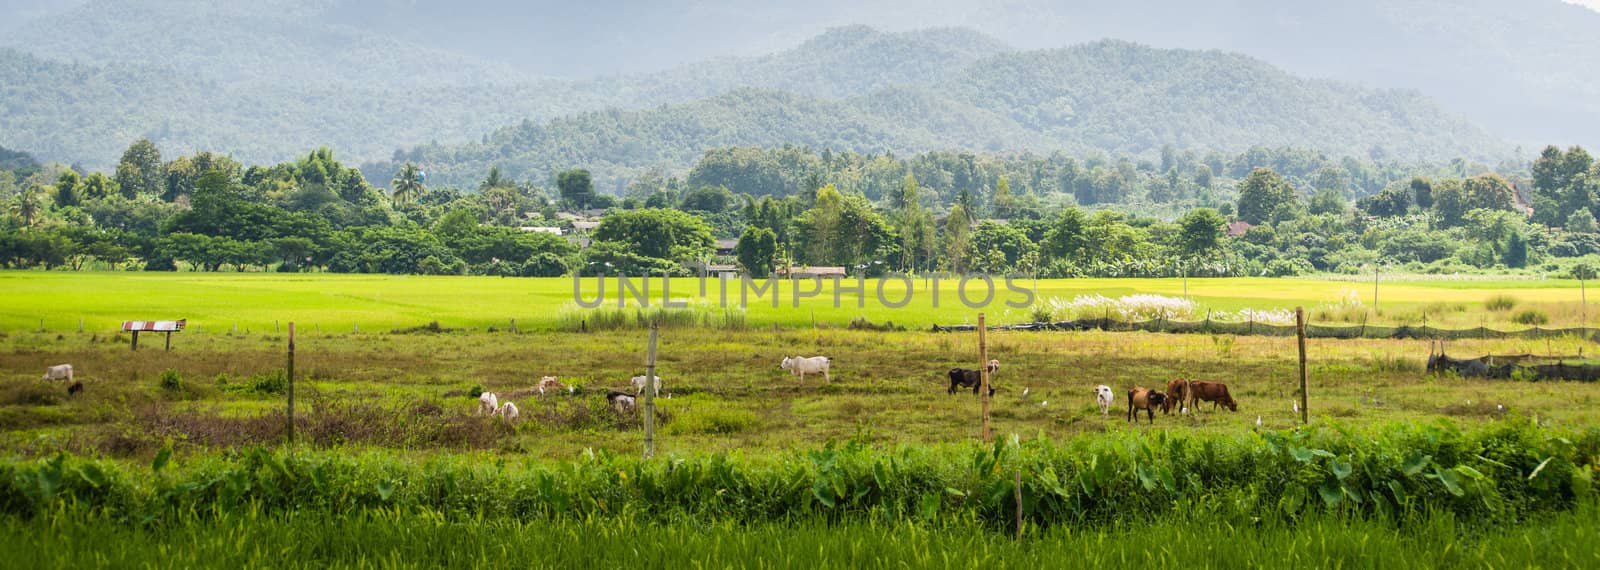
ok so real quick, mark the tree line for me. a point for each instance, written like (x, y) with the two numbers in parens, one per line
(1263, 212)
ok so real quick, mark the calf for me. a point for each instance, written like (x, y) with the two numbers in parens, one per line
(59, 372)
(1214, 392)
(638, 385)
(74, 388)
(622, 402)
(1104, 396)
(801, 366)
(1141, 398)
(488, 403)
(1177, 392)
(550, 384)
(964, 378)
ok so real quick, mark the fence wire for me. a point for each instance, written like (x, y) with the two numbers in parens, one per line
(1354, 331)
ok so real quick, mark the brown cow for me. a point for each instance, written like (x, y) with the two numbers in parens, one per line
(1214, 392)
(1177, 393)
(1141, 398)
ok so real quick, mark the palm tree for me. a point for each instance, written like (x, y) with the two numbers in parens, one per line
(407, 184)
(27, 206)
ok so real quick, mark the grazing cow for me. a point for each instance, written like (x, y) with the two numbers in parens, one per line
(488, 403)
(1141, 398)
(550, 384)
(75, 388)
(622, 402)
(61, 372)
(964, 378)
(638, 385)
(1178, 392)
(508, 411)
(801, 366)
(1214, 392)
(1104, 396)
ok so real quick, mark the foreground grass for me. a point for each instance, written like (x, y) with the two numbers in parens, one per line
(249, 540)
(330, 302)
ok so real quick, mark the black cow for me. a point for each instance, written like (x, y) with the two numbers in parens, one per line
(964, 378)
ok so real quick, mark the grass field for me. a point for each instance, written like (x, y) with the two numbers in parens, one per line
(397, 401)
(213, 302)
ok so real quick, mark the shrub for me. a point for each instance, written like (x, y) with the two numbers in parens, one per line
(475, 391)
(171, 380)
(1042, 313)
(1500, 303)
(1533, 317)
(274, 382)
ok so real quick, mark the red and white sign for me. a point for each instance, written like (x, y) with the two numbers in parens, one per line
(154, 326)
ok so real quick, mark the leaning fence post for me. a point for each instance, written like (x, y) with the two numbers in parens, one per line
(649, 394)
(289, 373)
(983, 372)
(1300, 331)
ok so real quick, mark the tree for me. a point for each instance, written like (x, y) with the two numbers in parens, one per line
(1066, 238)
(842, 229)
(757, 250)
(141, 172)
(1449, 203)
(1488, 192)
(1391, 202)
(957, 230)
(655, 233)
(407, 184)
(493, 180)
(1004, 203)
(712, 199)
(1583, 222)
(68, 189)
(1261, 194)
(1200, 232)
(28, 206)
(1516, 255)
(1422, 192)
(1203, 177)
(996, 248)
(1327, 202)
(98, 186)
(576, 187)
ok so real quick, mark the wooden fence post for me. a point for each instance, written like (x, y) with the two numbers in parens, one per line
(136, 341)
(289, 372)
(1300, 331)
(983, 372)
(649, 393)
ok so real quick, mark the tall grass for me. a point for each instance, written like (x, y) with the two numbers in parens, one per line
(1502, 473)
(696, 315)
(252, 539)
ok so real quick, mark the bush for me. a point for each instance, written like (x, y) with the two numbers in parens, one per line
(1533, 317)
(171, 380)
(1500, 303)
(274, 382)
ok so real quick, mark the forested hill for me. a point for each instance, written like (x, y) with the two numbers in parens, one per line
(840, 62)
(1106, 96)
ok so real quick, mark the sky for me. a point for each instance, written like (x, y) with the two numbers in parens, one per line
(1591, 4)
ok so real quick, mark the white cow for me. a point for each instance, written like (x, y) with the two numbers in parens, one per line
(507, 410)
(638, 385)
(1104, 396)
(801, 366)
(488, 403)
(61, 372)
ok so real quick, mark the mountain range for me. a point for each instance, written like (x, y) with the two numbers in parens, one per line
(545, 85)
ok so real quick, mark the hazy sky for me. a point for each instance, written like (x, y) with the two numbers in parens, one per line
(1594, 4)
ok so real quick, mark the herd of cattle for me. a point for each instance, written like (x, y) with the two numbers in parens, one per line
(1180, 393)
